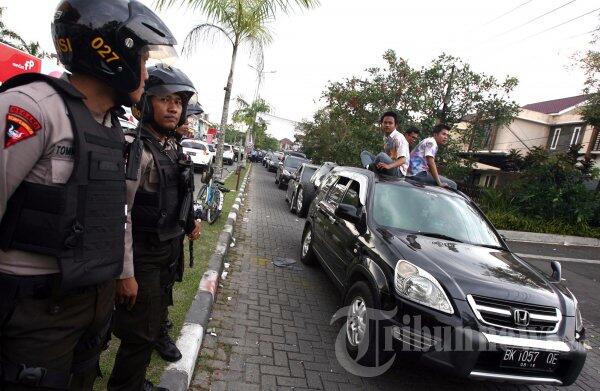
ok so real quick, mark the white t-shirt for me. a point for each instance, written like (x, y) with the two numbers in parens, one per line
(396, 147)
(418, 161)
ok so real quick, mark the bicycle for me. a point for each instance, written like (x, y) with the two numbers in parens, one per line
(209, 201)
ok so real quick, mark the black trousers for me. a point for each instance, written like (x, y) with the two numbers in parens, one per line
(138, 328)
(50, 336)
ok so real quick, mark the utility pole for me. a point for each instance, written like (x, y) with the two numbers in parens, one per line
(260, 75)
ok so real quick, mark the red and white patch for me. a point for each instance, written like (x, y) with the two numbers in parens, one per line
(20, 125)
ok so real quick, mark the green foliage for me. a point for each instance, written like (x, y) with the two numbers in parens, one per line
(549, 196)
(590, 62)
(445, 90)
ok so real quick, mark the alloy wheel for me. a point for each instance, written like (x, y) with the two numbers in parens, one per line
(356, 324)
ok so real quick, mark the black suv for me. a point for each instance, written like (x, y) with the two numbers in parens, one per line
(452, 291)
(286, 169)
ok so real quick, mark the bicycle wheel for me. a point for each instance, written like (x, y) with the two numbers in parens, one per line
(214, 209)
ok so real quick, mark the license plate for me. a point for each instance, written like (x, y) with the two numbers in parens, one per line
(529, 359)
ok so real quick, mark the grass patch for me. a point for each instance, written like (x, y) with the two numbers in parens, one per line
(184, 292)
(514, 222)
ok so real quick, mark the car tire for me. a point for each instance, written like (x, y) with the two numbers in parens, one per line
(300, 206)
(360, 297)
(307, 253)
(292, 203)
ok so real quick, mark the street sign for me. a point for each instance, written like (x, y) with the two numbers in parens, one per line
(14, 61)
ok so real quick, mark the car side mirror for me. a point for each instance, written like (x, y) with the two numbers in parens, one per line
(556, 271)
(348, 213)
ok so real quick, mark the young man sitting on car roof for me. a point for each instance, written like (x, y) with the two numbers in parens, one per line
(422, 159)
(394, 159)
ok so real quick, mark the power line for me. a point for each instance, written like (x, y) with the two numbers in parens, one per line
(580, 34)
(530, 21)
(507, 12)
(281, 118)
(558, 25)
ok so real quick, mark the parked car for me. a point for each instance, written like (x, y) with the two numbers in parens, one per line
(273, 162)
(294, 153)
(266, 156)
(431, 259)
(228, 156)
(198, 152)
(285, 169)
(306, 192)
(300, 179)
(213, 152)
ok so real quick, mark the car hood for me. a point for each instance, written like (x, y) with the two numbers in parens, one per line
(466, 269)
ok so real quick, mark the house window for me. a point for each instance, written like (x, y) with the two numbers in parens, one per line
(490, 181)
(555, 138)
(575, 136)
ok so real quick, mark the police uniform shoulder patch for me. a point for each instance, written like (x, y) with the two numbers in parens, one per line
(20, 125)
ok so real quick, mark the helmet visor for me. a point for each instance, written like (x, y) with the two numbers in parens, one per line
(160, 53)
(166, 89)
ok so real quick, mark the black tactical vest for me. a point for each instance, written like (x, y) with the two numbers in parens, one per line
(80, 223)
(158, 212)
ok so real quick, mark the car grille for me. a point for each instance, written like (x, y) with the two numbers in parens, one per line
(512, 315)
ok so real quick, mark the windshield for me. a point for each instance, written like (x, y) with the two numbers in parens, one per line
(307, 173)
(423, 211)
(211, 147)
(192, 144)
(293, 162)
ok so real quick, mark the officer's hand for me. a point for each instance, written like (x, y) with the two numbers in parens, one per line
(195, 234)
(127, 290)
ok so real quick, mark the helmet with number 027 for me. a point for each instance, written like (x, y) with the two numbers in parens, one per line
(109, 39)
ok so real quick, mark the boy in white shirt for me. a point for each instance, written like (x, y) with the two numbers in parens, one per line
(422, 158)
(394, 159)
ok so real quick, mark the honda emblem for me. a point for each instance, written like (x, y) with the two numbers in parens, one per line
(521, 317)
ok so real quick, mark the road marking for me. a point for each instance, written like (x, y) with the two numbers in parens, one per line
(561, 259)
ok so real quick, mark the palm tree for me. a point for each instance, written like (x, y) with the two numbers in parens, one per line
(247, 113)
(240, 22)
(8, 36)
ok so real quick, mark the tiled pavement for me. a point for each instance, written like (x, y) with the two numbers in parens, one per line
(272, 324)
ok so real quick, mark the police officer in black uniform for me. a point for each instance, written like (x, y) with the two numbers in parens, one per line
(161, 213)
(63, 193)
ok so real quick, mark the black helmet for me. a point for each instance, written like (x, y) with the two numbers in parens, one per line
(107, 39)
(163, 80)
(194, 109)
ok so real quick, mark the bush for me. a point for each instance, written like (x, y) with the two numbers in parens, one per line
(515, 222)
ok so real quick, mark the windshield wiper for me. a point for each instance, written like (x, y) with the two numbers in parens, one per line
(493, 246)
(437, 235)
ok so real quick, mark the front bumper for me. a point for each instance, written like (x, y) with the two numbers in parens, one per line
(465, 351)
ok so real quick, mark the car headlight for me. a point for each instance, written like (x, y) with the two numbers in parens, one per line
(418, 285)
(578, 317)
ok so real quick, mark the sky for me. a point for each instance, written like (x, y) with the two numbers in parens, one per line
(341, 38)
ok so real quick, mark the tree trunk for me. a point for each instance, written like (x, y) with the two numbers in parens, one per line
(225, 114)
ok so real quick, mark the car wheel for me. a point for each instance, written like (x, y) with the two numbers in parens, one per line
(307, 255)
(364, 334)
(300, 203)
(293, 203)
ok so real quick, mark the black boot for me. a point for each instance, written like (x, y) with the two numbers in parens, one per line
(165, 346)
(148, 386)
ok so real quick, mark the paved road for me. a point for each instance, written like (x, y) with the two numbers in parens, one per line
(271, 325)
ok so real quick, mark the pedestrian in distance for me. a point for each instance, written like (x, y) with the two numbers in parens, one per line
(422, 158)
(160, 201)
(394, 158)
(63, 194)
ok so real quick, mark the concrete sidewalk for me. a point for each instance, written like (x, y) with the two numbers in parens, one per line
(564, 240)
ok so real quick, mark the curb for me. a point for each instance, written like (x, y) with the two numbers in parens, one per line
(564, 240)
(178, 376)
